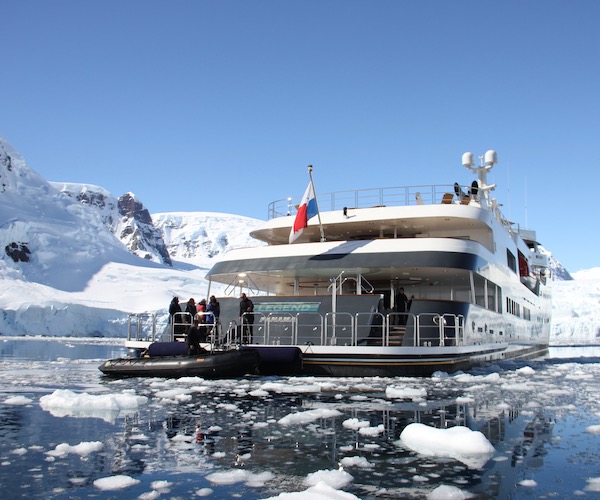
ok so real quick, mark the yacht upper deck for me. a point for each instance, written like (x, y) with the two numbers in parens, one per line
(439, 210)
(376, 197)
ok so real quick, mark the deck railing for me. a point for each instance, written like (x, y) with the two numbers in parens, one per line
(311, 328)
(345, 329)
(141, 326)
(383, 197)
(365, 198)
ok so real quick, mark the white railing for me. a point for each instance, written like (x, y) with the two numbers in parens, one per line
(345, 329)
(341, 329)
(141, 326)
(365, 198)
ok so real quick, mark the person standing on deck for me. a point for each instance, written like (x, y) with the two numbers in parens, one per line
(401, 306)
(201, 317)
(191, 309)
(246, 318)
(214, 308)
(174, 308)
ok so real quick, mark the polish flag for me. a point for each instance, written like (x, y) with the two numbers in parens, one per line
(306, 210)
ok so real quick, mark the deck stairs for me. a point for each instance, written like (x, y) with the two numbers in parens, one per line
(396, 335)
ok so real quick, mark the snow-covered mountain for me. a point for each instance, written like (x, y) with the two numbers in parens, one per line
(125, 217)
(70, 264)
(192, 238)
(200, 238)
(558, 271)
(77, 260)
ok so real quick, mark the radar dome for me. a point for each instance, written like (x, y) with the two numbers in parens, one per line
(468, 160)
(490, 157)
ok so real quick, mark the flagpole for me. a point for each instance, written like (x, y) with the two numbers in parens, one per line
(310, 167)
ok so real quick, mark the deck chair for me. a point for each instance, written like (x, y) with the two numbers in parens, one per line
(465, 200)
(447, 198)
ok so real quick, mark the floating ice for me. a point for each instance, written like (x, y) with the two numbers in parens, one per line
(65, 398)
(354, 423)
(413, 393)
(18, 400)
(355, 462)
(290, 388)
(526, 370)
(161, 485)
(528, 483)
(308, 416)
(259, 393)
(447, 492)
(372, 431)
(64, 402)
(321, 491)
(83, 449)
(335, 478)
(240, 476)
(150, 495)
(593, 484)
(176, 394)
(461, 443)
(112, 483)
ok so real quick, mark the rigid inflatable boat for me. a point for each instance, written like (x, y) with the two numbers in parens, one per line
(170, 359)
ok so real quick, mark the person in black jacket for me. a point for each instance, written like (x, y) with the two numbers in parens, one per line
(174, 308)
(191, 309)
(247, 318)
(193, 338)
(213, 309)
(401, 306)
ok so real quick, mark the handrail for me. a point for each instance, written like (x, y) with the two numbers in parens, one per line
(357, 277)
(138, 333)
(345, 329)
(341, 328)
(331, 321)
(367, 198)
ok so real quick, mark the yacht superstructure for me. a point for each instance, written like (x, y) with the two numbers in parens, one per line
(327, 304)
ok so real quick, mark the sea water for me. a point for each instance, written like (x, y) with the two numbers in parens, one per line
(68, 431)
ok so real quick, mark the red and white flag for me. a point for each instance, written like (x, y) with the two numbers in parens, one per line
(306, 210)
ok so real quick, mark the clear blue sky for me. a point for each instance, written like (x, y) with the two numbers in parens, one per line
(220, 105)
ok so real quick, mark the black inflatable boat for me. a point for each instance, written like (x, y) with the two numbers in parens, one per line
(170, 359)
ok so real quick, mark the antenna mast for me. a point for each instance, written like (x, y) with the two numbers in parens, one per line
(486, 163)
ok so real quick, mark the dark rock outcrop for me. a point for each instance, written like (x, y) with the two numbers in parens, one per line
(19, 252)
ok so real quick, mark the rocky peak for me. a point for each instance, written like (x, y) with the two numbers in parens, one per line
(5, 167)
(137, 231)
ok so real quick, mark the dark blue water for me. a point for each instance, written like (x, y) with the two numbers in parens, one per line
(189, 430)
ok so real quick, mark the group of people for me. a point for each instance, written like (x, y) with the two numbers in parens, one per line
(205, 315)
(203, 312)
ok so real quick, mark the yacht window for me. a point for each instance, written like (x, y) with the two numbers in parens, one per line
(479, 282)
(511, 260)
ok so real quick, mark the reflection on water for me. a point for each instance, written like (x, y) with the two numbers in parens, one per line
(40, 349)
(234, 425)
